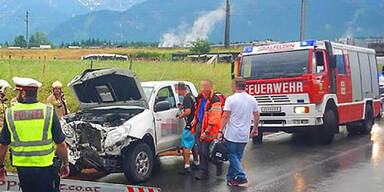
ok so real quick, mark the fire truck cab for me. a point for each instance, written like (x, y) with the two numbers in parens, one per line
(312, 87)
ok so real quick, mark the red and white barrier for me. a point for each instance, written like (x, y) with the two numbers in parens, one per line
(11, 183)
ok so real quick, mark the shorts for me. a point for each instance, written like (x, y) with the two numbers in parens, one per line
(187, 139)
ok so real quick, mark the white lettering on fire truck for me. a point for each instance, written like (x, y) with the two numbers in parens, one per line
(275, 88)
(276, 47)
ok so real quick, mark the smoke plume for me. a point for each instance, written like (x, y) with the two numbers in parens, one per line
(202, 27)
(351, 24)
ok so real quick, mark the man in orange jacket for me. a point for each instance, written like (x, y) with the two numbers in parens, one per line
(206, 126)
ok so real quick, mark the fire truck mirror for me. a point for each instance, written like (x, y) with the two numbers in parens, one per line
(319, 56)
(232, 69)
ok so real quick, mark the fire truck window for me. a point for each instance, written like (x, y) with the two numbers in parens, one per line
(275, 65)
(246, 68)
(340, 64)
(318, 62)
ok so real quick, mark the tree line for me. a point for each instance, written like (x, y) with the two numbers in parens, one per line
(40, 38)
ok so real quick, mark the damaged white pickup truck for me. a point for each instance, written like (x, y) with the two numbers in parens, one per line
(123, 124)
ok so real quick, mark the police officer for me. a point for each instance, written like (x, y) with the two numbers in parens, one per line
(4, 85)
(57, 99)
(32, 129)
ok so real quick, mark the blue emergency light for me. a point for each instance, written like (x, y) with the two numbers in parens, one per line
(247, 49)
(308, 43)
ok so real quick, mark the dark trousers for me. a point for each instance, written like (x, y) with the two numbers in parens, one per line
(38, 179)
(203, 149)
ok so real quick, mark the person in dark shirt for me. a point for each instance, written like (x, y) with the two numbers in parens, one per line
(187, 112)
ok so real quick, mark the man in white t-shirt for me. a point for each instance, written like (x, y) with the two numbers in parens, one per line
(239, 110)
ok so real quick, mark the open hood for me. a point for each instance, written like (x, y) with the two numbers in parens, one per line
(108, 87)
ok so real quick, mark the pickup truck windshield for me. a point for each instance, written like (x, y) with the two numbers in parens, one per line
(148, 92)
(275, 65)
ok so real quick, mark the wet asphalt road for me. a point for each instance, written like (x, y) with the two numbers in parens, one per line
(291, 163)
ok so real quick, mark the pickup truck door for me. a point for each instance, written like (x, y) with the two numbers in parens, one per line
(167, 125)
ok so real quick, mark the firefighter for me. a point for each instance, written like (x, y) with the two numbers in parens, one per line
(4, 85)
(206, 126)
(32, 129)
(57, 99)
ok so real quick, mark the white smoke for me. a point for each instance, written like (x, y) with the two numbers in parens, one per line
(351, 24)
(202, 27)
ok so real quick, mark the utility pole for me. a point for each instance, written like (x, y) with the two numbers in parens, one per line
(26, 28)
(303, 11)
(227, 24)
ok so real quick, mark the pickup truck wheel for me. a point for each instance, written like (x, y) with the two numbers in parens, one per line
(138, 162)
(327, 131)
(259, 138)
(368, 121)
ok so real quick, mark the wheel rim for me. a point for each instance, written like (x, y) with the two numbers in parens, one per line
(142, 163)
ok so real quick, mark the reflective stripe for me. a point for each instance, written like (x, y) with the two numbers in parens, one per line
(31, 143)
(12, 125)
(32, 153)
(212, 136)
(46, 122)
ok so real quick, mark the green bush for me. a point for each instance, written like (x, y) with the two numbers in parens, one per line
(200, 46)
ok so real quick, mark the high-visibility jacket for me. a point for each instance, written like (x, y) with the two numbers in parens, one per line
(30, 127)
(212, 115)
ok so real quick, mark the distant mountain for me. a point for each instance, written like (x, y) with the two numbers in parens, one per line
(178, 20)
(45, 15)
(251, 20)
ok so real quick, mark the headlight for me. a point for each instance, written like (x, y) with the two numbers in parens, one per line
(301, 110)
(117, 135)
(67, 129)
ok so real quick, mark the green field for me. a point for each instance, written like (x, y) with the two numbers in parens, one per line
(64, 71)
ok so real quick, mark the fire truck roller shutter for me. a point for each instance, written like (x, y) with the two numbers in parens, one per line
(365, 75)
(355, 76)
(374, 75)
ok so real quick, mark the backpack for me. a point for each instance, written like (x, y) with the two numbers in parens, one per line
(218, 152)
(222, 98)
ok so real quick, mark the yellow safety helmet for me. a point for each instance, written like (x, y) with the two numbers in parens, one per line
(57, 84)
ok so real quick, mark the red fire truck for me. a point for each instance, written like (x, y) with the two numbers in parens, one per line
(312, 87)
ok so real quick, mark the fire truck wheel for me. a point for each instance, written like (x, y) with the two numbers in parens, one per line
(259, 138)
(368, 121)
(138, 162)
(327, 131)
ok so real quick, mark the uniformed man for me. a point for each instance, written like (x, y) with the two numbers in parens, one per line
(4, 85)
(57, 99)
(32, 129)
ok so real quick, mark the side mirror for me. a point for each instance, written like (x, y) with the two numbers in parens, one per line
(232, 69)
(162, 106)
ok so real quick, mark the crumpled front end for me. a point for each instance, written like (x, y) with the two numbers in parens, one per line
(96, 144)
